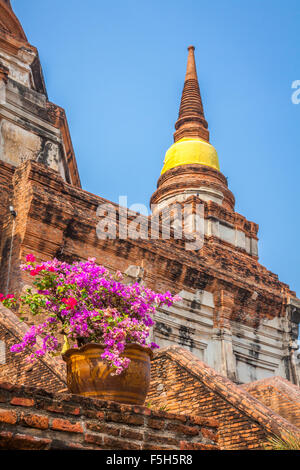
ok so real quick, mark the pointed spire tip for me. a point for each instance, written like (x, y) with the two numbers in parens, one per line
(191, 121)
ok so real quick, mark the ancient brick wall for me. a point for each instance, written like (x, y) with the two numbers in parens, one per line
(181, 382)
(280, 395)
(17, 370)
(47, 373)
(55, 219)
(6, 194)
(34, 419)
(41, 131)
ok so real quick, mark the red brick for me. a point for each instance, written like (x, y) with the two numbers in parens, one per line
(148, 446)
(93, 414)
(156, 423)
(6, 386)
(5, 439)
(63, 409)
(73, 411)
(209, 434)
(8, 441)
(196, 446)
(19, 401)
(8, 417)
(130, 434)
(76, 446)
(65, 425)
(125, 418)
(103, 428)
(142, 410)
(35, 421)
(54, 408)
(176, 417)
(112, 405)
(182, 429)
(201, 420)
(25, 442)
(3, 398)
(6, 434)
(116, 444)
(122, 408)
(167, 440)
(94, 439)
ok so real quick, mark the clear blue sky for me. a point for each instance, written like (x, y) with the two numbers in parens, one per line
(118, 69)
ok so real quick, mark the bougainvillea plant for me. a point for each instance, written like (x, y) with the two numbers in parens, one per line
(85, 303)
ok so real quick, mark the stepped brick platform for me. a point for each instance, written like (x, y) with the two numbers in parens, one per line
(280, 395)
(47, 372)
(33, 419)
(183, 383)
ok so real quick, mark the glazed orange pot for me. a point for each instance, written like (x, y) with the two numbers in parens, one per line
(90, 376)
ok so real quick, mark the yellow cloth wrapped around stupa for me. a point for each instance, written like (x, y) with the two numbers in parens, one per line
(190, 151)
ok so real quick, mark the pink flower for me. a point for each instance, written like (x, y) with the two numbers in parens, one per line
(30, 258)
(71, 303)
(36, 271)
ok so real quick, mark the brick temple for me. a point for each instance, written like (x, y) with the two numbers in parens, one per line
(228, 358)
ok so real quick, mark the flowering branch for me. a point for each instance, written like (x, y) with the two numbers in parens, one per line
(85, 303)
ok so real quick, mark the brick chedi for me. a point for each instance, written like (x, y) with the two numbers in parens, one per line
(235, 315)
(32, 128)
(191, 165)
(248, 334)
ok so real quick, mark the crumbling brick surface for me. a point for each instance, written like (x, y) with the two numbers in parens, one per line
(47, 373)
(33, 419)
(280, 395)
(183, 383)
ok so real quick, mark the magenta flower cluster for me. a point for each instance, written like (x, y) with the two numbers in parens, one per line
(85, 303)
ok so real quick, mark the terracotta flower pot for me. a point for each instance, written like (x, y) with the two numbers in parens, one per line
(88, 375)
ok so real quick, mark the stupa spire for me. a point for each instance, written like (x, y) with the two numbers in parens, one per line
(191, 120)
(191, 70)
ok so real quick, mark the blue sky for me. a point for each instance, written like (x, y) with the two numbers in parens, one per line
(118, 70)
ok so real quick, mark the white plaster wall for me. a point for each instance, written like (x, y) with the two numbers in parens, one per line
(184, 325)
(17, 144)
(242, 353)
(18, 65)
